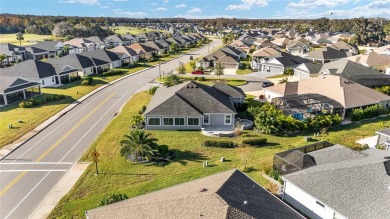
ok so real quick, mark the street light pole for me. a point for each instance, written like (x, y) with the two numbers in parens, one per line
(159, 69)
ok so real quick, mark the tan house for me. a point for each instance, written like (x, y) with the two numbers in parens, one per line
(372, 59)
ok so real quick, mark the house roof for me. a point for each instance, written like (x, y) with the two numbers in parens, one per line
(356, 186)
(153, 45)
(101, 56)
(220, 195)
(47, 45)
(231, 91)
(96, 39)
(142, 47)
(266, 52)
(341, 45)
(114, 38)
(189, 98)
(288, 60)
(346, 92)
(30, 69)
(163, 43)
(348, 69)
(10, 49)
(327, 53)
(371, 59)
(311, 68)
(121, 50)
(79, 42)
(11, 84)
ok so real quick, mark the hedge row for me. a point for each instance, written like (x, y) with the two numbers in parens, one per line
(368, 112)
(219, 144)
(255, 142)
(113, 72)
(39, 100)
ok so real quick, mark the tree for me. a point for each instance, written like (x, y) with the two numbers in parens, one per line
(171, 80)
(267, 119)
(65, 49)
(68, 37)
(218, 70)
(136, 119)
(20, 37)
(137, 143)
(193, 65)
(181, 70)
(2, 58)
(173, 48)
(288, 71)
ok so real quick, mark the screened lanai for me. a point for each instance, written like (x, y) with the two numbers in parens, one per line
(303, 106)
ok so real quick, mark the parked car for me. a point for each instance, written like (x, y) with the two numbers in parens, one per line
(198, 72)
(191, 58)
(267, 84)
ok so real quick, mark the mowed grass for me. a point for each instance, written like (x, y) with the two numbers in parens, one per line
(209, 81)
(28, 38)
(32, 117)
(133, 30)
(117, 175)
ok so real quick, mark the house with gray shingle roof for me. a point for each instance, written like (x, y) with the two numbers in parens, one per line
(103, 59)
(327, 54)
(126, 54)
(115, 40)
(13, 89)
(306, 70)
(193, 106)
(342, 184)
(12, 52)
(230, 194)
(82, 64)
(281, 62)
(44, 49)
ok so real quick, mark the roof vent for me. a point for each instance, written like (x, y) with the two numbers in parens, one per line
(203, 190)
(245, 203)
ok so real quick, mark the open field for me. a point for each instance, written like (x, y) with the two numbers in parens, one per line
(120, 176)
(28, 38)
(132, 30)
(32, 117)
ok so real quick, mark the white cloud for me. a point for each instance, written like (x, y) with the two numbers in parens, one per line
(194, 10)
(181, 6)
(165, 1)
(247, 4)
(120, 0)
(129, 13)
(161, 9)
(309, 4)
(104, 6)
(154, 3)
(86, 2)
(195, 16)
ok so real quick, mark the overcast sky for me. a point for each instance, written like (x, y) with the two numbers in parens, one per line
(201, 8)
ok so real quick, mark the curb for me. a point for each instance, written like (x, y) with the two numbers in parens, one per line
(8, 149)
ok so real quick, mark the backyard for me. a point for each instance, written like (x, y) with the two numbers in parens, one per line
(117, 175)
(133, 30)
(32, 117)
(28, 38)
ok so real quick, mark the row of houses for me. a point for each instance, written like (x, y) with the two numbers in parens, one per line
(53, 49)
(58, 71)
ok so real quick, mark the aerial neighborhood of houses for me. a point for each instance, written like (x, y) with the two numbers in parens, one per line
(225, 122)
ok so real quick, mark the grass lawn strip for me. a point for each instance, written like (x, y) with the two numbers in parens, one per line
(121, 176)
(209, 81)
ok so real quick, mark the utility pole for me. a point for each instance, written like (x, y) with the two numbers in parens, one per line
(159, 69)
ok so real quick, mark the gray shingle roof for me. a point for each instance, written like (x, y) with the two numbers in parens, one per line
(231, 91)
(100, 56)
(356, 186)
(327, 53)
(30, 69)
(192, 99)
(76, 61)
(223, 197)
(288, 60)
(47, 45)
(10, 49)
(10, 84)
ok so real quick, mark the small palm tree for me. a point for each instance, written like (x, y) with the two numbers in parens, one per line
(20, 37)
(218, 70)
(65, 49)
(181, 70)
(171, 80)
(137, 143)
(2, 58)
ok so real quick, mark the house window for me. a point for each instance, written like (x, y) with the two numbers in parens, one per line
(154, 121)
(52, 79)
(228, 119)
(179, 121)
(168, 121)
(43, 82)
(193, 121)
(206, 119)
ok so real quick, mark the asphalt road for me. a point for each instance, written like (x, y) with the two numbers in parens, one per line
(29, 173)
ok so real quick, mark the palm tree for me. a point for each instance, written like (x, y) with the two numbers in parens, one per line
(19, 36)
(171, 80)
(2, 58)
(181, 70)
(65, 49)
(137, 144)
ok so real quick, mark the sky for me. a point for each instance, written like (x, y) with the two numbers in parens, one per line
(252, 9)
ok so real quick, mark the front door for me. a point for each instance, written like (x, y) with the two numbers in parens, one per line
(57, 81)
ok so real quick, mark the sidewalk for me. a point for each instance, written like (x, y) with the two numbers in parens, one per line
(59, 191)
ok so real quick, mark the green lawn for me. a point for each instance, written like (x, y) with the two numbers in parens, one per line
(28, 38)
(278, 76)
(132, 30)
(244, 63)
(32, 117)
(120, 176)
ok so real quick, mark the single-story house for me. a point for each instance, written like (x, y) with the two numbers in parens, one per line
(227, 60)
(12, 52)
(278, 64)
(348, 93)
(358, 73)
(143, 50)
(297, 48)
(153, 44)
(165, 44)
(242, 44)
(193, 106)
(13, 89)
(44, 50)
(306, 70)
(129, 37)
(343, 183)
(78, 45)
(82, 64)
(230, 194)
(344, 47)
(98, 41)
(263, 55)
(326, 55)
(173, 40)
(234, 52)
(115, 40)
(126, 54)
(33, 70)
(372, 59)
(103, 60)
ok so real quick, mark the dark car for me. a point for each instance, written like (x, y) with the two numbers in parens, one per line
(267, 84)
(198, 72)
(191, 58)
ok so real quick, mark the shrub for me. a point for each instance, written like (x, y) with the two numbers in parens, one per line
(112, 199)
(86, 81)
(202, 79)
(39, 100)
(153, 90)
(163, 149)
(113, 72)
(256, 142)
(368, 112)
(219, 144)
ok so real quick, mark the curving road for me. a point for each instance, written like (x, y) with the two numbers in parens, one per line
(29, 173)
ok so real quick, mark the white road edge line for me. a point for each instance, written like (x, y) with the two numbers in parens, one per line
(32, 170)
(78, 142)
(27, 195)
(38, 163)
